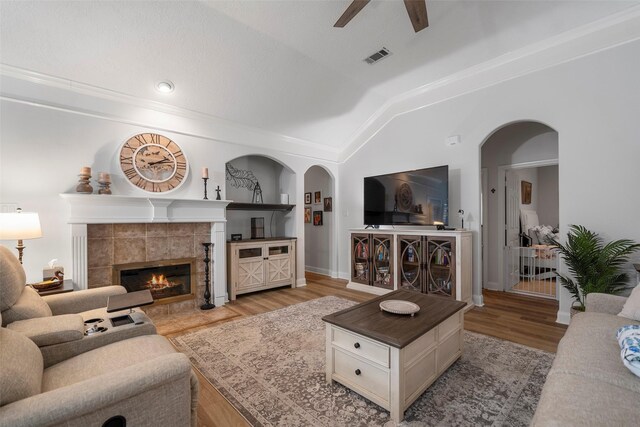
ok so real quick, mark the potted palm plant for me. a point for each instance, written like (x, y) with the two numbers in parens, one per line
(595, 266)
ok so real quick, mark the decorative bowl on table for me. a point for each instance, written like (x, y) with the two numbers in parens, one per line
(397, 306)
(47, 285)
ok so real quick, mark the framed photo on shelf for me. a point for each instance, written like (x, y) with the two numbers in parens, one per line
(307, 215)
(318, 197)
(328, 204)
(317, 217)
(307, 198)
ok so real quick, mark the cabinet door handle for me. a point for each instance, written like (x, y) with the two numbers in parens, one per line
(358, 372)
(266, 258)
(357, 345)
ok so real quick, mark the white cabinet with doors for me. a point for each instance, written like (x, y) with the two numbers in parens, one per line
(254, 265)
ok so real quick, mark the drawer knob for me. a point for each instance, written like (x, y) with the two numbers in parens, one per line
(358, 372)
(357, 345)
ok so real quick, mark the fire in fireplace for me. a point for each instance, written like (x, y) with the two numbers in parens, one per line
(169, 280)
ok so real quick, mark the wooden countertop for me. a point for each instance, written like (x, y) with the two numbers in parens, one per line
(367, 319)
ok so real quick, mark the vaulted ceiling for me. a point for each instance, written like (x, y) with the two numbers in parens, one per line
(275, 65)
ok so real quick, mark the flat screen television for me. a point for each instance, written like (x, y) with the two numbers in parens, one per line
(418, 197)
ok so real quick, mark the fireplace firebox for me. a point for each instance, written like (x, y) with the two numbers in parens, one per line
(169, 280)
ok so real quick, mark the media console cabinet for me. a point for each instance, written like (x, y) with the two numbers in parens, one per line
(429, 261)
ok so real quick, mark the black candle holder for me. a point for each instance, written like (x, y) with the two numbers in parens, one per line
(208, 305)
(218, 193)
(205, 188)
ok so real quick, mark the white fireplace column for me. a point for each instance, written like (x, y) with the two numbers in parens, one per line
(219, 257)
(102, 209)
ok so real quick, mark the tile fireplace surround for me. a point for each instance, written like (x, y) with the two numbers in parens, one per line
(108, 230)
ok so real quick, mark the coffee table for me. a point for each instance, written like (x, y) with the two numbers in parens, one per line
(392, 359)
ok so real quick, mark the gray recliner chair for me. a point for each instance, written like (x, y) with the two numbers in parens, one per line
(140, 381)
(57, 323)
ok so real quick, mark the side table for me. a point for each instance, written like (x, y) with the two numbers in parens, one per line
(67, 286)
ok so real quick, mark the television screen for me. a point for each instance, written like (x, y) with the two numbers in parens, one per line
(418, 197)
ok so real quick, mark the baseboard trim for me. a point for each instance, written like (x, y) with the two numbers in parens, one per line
(301, 283)
(478, 300)
(368, 289)
(563, 317)
(319, 270)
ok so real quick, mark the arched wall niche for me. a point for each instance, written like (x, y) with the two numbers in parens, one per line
(276, 179)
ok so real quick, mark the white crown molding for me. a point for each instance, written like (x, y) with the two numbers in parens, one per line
(121, 98)
(614, 30)
(606, 33)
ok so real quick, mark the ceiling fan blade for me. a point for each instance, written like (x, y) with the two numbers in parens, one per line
(353, 9)
(417, 10)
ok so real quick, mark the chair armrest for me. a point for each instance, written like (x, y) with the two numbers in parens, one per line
(93, 401)
(53, 330)
(79, 301)
(604, 303)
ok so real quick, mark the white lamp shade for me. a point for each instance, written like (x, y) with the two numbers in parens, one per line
(19, 226)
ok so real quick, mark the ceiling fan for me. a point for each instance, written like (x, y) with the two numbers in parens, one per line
(417, 10)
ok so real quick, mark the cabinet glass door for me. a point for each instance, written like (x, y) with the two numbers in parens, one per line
(441, 267)
(410, 262)
(360, 249)
(382, 267)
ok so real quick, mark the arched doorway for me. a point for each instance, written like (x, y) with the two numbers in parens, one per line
(320, 222)
(520, 202)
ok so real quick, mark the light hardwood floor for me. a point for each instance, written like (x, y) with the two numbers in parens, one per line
(521, 319)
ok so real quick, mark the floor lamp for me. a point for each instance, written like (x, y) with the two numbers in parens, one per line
(20, 226)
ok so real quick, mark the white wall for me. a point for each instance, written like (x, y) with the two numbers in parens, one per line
(42, 149)
(319, 239)
(592, 103)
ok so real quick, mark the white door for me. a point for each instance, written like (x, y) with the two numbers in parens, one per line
(511, 230)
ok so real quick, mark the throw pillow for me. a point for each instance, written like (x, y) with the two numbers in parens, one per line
(630, 354)
(631, 309)
(626, 332)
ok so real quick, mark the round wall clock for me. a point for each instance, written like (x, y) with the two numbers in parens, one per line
(153, 162)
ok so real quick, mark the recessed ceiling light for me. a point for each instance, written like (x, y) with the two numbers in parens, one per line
(165, 86)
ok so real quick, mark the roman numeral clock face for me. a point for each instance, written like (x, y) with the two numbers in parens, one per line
(153, 162)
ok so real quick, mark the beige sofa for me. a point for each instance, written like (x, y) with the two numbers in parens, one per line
(588, 385)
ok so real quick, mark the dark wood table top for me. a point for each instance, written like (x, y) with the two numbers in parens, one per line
(129, 300)
(367, 319)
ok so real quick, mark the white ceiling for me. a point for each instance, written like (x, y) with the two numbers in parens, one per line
(275, 65)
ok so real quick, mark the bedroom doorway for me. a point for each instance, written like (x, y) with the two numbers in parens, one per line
(520, 206)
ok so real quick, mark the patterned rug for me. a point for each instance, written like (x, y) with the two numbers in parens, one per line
(271, 367)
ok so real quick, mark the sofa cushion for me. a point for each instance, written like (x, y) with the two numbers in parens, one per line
(13, 278)
(631, 309)
(570, 400)
(51, 330)
(590, 350)
(28, 306)
(104, 360)
(20, 367)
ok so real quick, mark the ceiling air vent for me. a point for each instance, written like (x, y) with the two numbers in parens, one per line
(377, 56)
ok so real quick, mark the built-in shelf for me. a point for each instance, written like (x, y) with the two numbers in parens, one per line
(237, 206)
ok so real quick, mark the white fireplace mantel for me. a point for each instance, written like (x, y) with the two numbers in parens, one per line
(108, 209)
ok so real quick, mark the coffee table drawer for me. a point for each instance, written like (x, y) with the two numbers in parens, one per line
(367, 378)
(361, 346)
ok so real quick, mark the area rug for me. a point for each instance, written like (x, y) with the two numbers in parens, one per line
(271, 367)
